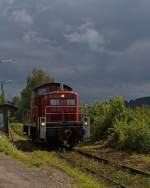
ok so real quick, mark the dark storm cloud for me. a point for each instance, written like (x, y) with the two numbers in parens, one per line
(100, 47)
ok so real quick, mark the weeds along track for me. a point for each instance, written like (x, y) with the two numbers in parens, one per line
(93, 172)
(98, 175)
(107, 170)
(111, 163)
(100, 159)
(104, 170)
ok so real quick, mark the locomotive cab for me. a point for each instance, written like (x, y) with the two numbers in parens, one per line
(62, 107)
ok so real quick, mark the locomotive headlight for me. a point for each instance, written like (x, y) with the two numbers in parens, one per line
(43, 124)
(62, 96)
(85, 123)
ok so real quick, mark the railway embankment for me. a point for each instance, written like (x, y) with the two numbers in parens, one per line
(19, 169)
(31, 162)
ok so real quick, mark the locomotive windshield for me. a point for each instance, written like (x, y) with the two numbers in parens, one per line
(62, 102)
(54, 102)
(71, 102)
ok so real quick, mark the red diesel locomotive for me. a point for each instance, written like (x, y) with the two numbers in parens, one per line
(54, 116)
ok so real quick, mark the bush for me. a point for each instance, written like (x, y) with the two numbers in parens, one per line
(131, 136)
(103, 115)
(124, 128)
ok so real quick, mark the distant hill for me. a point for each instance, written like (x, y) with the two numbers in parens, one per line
(140, 102)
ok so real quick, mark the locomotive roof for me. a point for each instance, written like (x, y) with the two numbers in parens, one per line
(54, 85)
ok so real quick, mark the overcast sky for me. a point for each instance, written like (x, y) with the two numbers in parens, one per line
(99, 47)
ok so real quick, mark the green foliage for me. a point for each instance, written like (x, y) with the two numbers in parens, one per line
(1, 99)
(35, 79)
(17, 101)
(124, 128)
(16, 116)
(131, 133)
(9, 149)
(103, 115)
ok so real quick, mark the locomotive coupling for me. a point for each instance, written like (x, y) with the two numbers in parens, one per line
(67, 133)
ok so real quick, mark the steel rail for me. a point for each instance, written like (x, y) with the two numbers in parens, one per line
(106, 161)
(93, 172)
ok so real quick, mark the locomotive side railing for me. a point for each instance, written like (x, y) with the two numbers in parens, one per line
(62, 116)
(59, 116)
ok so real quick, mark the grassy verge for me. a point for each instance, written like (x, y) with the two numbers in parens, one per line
(41, 159)
(17, 127)
(82, 179)
(9, 149)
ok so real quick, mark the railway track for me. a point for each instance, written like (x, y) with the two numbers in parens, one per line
(106, 161)
(113, 173)
(100, 174)
(83, 168)
(93, 172)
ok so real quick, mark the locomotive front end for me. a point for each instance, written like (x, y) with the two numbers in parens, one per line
(64, 122)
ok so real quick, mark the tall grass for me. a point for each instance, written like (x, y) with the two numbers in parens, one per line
(9, 149)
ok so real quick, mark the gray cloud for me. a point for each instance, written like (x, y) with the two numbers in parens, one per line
(21, 17)
(99, 47)
(33, 37)
(87, 34)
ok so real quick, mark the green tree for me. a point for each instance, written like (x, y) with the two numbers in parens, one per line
(16, 116)
(1, 99)
(36, 78)
(16, 101)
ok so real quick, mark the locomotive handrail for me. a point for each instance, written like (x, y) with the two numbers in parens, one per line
(78, 115)
(80, 108)
(61, 113)
(54, 106)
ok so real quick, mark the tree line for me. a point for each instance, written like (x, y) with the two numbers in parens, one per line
(36, 78)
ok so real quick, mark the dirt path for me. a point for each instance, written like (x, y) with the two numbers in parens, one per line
(15, 174)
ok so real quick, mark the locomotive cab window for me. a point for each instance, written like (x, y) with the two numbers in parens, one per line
(54, 102)
(71, 102)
